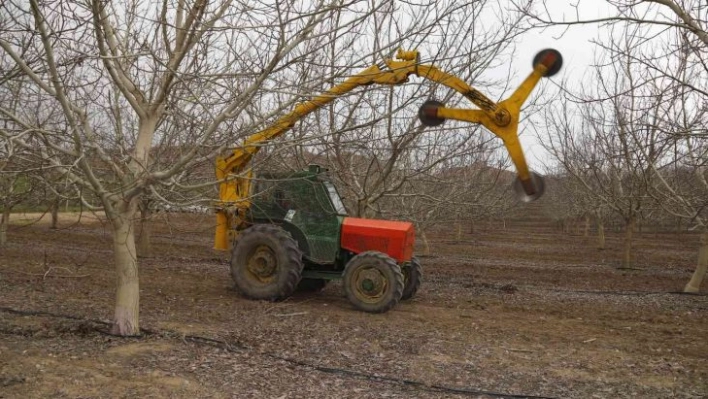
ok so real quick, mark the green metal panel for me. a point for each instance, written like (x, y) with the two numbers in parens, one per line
(303, 200)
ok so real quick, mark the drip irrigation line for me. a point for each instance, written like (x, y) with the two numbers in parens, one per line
(236, 347)
(49, 314)
(403, 381)
(628, 293)
(540, 288)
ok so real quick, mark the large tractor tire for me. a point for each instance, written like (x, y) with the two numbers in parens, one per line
(373, 282)
(312, 285)
(412, 277)
(266, 263)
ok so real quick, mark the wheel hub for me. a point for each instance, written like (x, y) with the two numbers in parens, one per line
(263, 264)
(370, 284)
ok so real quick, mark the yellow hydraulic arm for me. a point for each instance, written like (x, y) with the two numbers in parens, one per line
(500, 118)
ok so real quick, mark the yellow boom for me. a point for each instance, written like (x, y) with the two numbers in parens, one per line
(500, 118)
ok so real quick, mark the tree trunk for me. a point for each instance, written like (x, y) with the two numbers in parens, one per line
(144, 244)
(600, 234)
(426, 244)
(629, 235)
(694, 285)
(587, 226)
(126, 320)
(54, 211)
(126, 317)
(459, 231)
(4, 223)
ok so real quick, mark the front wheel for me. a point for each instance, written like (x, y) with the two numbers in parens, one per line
(373, 282)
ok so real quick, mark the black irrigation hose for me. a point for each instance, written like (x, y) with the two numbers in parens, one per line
(414, 383)
(50, 314)
(627, 293)
(235, 347)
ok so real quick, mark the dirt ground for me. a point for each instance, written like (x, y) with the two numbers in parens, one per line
(524, 311)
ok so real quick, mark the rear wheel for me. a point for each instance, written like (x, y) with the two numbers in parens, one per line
(412, 277)
(373, 282)
(266, 263)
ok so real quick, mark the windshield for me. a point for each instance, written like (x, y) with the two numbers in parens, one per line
(335, 198)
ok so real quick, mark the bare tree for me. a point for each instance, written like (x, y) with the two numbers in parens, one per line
(17, 170)
(122, 73)
(669, 57)
(608, 141)
(16, 186)
(455, 197)
(681, 182)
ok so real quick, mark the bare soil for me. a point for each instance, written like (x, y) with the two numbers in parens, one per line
(524, 311)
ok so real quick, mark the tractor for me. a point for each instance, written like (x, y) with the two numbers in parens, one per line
(299, 220)
(290, 231)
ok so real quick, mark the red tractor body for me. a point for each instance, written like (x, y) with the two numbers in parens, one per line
(396, 239)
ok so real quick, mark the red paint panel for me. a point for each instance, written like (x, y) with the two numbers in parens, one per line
(390, 237)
